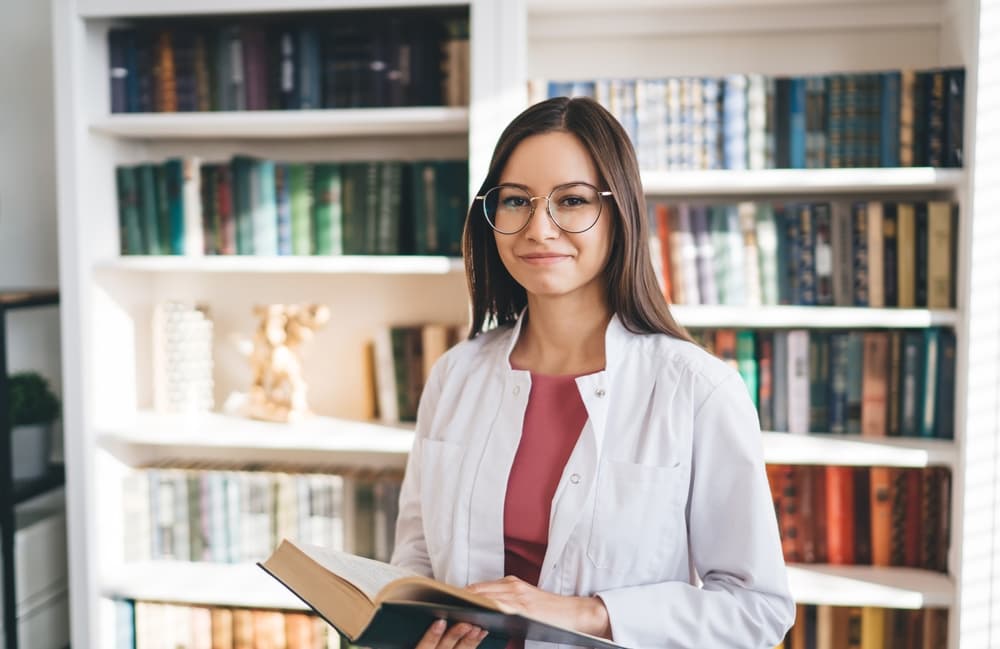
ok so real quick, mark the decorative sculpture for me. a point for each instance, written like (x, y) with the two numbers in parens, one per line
(277, 389)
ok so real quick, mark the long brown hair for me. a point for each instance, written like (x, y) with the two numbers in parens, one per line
(632, 289)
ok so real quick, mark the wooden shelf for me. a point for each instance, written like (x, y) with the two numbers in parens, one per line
(870, 586)
(346, 264)
(221, 438)
(854, 450)
(277, 124)
(818, 317)
(790, 182)
(238, 585)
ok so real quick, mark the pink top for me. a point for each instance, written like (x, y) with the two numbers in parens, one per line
(554, 418)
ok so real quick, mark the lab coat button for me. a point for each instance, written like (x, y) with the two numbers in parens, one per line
(600, 392)
(575, 478)
(517, 390)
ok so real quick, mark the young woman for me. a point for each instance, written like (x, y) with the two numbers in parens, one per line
(578, 458)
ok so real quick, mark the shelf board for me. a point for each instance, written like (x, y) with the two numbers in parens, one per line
(246, 585)
(800, 181)
(25, 490)
(855, 450)
(870, 586)
(265, 124)
(345, 265)
(225, 438)
(243, 585)
(119, 8)
(23, 298)
(819, 317)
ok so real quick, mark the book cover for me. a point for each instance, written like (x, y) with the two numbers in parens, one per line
(381, 606)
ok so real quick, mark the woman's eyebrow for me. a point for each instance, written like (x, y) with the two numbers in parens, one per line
(563, 184)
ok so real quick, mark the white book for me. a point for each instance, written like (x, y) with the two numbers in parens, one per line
(798, 382)
(194, 229)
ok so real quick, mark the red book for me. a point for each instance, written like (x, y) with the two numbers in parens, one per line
(840, 515)
(818, 522)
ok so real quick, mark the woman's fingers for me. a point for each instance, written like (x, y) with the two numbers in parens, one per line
(459, 636)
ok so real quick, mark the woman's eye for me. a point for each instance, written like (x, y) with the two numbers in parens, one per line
(514, 201)
(573, 201)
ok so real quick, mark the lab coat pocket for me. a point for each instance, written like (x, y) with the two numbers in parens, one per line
(638, 516)
(439, 478)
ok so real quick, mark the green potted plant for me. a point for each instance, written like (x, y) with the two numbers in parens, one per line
(32, 409)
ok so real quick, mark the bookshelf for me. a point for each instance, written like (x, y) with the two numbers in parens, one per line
(107, 299)
(353, 122)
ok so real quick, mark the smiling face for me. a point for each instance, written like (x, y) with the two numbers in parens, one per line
(545, 260)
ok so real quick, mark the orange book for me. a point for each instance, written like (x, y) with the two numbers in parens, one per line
(797, 636)
(872, 628)
(222, 628)
(725, 346)
(840, 515)
(875, 384)
(243, 629)
(881, 515)
(298, 631)
(818, 522)
(268, 629)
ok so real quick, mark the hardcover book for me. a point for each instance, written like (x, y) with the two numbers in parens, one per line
(381, 606)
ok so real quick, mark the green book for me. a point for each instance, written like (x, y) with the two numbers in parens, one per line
(128, 211)
(452, 203)
(148, 207)
(374, 604)
(389, 206)
(328, 213)
(746, 361)
(162, 210)
(300, 189)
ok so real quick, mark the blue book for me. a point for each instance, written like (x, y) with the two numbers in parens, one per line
(888, 135)
(734, 122)
(797, 123)
(283, 200)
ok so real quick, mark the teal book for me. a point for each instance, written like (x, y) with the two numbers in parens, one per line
(264, 209)
(746, 362)
(173, 171)
(148, 208)
(327, 210)
(242, 206)
(128, 211)
(377, 605)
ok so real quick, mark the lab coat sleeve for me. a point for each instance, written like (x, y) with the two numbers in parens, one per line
(410, 549)
(744, 601)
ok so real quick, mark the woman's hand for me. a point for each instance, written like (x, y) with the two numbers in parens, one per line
(586, 614)
(459, 636)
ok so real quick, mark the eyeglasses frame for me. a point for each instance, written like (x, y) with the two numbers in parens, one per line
(548, 206)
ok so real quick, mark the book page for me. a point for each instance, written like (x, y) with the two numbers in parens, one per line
(367, 575)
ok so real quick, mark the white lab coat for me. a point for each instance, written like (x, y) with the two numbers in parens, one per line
(665, 488)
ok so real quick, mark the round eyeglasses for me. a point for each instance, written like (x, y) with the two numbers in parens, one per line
(573, 207)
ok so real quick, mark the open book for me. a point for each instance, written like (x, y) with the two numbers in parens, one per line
(381, 606)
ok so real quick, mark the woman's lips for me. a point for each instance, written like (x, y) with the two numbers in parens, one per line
(544, 259)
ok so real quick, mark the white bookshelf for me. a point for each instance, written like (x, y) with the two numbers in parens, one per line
(343, 265)
(788, 317)
(323, 441)
(870, 586)
(107, 299)
(855, 450)
(801, 181)
(277, 124)
(237, 585)
(335, 442)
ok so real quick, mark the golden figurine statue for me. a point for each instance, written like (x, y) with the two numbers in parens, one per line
(277, 389)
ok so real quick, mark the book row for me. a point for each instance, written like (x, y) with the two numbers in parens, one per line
(251, 206)
(233, 516)
(840, 253)
(402, 357)
(882, 119)
(159, 625)
(877, 516)
(333, 60)
(854, 627)
(876, 383)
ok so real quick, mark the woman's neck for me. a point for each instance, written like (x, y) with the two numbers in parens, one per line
(562, 338)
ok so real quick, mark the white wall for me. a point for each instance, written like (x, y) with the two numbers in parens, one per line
(28, 246)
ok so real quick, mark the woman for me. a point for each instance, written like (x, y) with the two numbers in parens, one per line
(581, 460)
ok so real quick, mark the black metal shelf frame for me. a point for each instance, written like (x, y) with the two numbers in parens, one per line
(14, 493)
